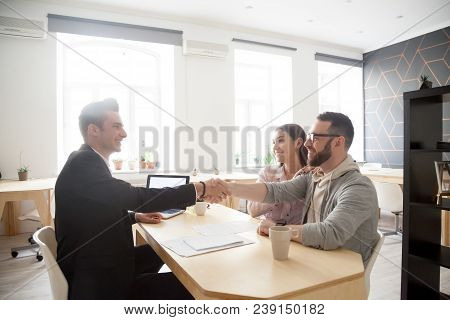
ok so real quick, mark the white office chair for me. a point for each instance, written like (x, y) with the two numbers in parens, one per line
(372, 260)
(46, 240)
(390, 198)
(372, 165)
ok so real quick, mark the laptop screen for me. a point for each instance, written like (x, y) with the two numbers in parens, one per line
(163, 181)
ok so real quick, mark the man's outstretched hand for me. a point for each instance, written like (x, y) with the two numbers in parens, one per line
(216, 190)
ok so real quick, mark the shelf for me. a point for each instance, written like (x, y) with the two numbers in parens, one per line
(428, 93)
(423, 254)
(429, 150)
(428, 205)
(437, 254)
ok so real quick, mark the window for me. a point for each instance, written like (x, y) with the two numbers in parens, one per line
(263, 91)
(342, 92)
(148, 68)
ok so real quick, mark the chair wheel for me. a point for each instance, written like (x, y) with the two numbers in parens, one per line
(39, 257)
(14, 254)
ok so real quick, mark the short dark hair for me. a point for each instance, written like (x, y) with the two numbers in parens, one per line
(340, 124)
(95, 112)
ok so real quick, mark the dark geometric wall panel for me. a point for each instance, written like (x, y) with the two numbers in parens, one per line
(390, 71)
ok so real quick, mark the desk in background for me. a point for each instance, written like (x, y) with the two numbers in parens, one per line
(396, 176)
(250, 272)
(37, 190)
(384, 175)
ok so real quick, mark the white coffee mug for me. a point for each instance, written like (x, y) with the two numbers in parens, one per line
(200, 208)
(280, 236)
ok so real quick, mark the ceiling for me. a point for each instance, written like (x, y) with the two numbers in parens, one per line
(361, 24)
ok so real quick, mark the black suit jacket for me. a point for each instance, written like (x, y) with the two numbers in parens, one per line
(93, 228)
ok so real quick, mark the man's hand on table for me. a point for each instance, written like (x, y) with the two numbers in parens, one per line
(152, 217)
(264, 225)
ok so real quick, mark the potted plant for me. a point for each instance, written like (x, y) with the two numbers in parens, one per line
(23, 173)
(132, 164)
(269, 158)
(149, 165)
(237, 158)
(118, 164)
(142, 162)
(426, 83)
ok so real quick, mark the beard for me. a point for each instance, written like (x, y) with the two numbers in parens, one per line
(321, 156)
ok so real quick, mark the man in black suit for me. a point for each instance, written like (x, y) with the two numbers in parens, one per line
(93, 227)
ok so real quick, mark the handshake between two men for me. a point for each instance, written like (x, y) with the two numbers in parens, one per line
(216, 190)
(212, 190)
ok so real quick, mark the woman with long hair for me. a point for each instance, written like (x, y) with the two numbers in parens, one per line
(291, 155)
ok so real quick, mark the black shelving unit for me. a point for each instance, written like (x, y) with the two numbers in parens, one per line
(423, 254)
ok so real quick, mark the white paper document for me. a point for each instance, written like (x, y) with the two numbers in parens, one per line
(204, 243)
(227, 228)
(181, 247)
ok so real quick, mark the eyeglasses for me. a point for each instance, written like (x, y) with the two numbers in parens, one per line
(315, 136)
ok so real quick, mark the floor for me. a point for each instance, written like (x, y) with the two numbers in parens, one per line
(25, 278)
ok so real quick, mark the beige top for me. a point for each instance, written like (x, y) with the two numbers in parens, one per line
(321, 182)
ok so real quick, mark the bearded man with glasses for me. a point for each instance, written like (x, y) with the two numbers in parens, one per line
(340, 203)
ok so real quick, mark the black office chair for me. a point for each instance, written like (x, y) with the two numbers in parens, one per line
(30, 216)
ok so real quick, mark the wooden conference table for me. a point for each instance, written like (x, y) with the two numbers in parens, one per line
(250, 272)
(37, 190)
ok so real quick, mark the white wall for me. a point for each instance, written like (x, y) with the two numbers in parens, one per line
(203, 90)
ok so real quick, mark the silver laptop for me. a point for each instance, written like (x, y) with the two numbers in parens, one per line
(162, 181)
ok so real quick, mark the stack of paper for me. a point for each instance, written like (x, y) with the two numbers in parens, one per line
(205, 243)
(227, 228)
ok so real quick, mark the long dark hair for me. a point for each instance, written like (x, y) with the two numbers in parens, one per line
(295, 132)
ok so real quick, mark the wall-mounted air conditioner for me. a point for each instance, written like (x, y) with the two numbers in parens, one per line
(15, 27)
(204, 49)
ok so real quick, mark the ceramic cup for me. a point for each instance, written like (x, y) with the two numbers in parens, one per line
(200, 208)
(280, 236)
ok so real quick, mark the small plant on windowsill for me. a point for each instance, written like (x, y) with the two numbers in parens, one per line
(237, 159)
(426, 83)
(118, 163)
(269, 159)
(23, 173)
(142, 163)
(132, 164)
